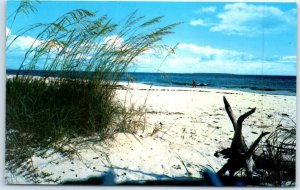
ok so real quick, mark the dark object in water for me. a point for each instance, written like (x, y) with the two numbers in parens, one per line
(194, 84)
(202, 84)
(262, 89)
(190, 84)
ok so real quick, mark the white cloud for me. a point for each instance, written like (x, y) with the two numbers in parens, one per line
(288, 59)
(209, 53)
(207, 10)
(23, 43)
(144, 59)
(192, 58)
(251, 20)
(199, 22)
(256, 67)
(114, 41)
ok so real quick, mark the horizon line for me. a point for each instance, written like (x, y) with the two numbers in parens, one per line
(160, 72)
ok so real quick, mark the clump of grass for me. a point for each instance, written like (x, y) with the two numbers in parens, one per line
(43, 116)
(58, 109)
(277, 157)
(131, 119)
(91, 55)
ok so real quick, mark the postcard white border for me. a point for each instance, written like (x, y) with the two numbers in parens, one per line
(2, 102)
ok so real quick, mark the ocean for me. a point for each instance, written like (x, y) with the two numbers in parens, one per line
(279, 85)
(263, 84)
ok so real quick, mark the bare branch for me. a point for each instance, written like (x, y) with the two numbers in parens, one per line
(238, 153)
(223, 169)
(255, 143)
(229, 112)
(243, 117)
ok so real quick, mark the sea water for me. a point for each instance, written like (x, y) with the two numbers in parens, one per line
(281, 85)
(264, 84)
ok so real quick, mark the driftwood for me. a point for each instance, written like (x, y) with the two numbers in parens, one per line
(240, 156)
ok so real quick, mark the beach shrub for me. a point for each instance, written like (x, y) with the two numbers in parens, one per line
(277, 157)
(82, 57)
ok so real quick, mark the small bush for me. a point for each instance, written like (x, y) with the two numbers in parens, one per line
(277, 157)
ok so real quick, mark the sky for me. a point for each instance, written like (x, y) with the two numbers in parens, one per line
(236, 38)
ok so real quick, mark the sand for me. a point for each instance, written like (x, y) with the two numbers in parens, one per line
(184, 128)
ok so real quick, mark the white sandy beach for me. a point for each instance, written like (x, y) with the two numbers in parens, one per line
(192, 124)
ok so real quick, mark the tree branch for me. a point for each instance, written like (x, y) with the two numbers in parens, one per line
(229, 112)
(255, 143)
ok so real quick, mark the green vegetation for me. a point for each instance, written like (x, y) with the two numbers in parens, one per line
(278, 156)
(92, 54)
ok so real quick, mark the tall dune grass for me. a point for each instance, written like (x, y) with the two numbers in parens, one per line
(91, 54)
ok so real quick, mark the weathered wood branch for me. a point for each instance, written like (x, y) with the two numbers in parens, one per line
(230, 113)
(224, 169)
(240, 156)
(244, 116)
(255, 143)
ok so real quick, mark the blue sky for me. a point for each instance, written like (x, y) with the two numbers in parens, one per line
(238, 38)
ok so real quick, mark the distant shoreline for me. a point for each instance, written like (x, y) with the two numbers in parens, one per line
(147, 87)
(15, 70)
(267, 91)
(260, 84)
